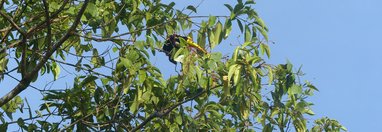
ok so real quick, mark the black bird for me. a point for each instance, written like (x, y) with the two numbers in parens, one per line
(172, 43)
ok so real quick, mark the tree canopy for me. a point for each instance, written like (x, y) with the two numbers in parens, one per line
(107, 45)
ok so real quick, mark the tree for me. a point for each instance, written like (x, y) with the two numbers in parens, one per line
(120, 89)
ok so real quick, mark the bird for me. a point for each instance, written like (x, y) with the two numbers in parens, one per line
(172, 44)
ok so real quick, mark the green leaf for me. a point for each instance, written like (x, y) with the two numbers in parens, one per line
(268, 128)
(247, 43)
(309, 112)
(149, 41)
(211, 21)
(201, 38)
(148, 16)
(229, 7)
(249, 2)
(309, 85)
(240, 25)
(231, 71)
(270, 75)
(274, 112)
(115, 49)
(55, 70)
(20, 122)
(211, 38)
(178, 120)
(92, 9)
(263, 32)
(237, 75)
(183, 42)
(260, 22)
(142, 76)
(264, 48)
(134, 105)
(88, 80)
(235, 54)
(253, 75)
(238, 7)
(295, 89)
(53, 6)
(227, 28)
(218, 31)
(192, 8)
(126, 62)
(301, 106)
(95, 58)
(98, 94)
(247, 35)
(216, 56)
(226, 88)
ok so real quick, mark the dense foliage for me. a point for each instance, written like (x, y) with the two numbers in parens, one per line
(118, 89)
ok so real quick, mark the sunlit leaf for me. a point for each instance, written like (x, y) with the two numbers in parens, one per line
(218, 35)
(55, 70)
(295, 89)
(211, 21)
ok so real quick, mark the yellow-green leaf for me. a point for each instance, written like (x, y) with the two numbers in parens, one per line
(231, 71)
(218, 36)
(237, 75)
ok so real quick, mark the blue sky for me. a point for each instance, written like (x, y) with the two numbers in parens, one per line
(336, 41)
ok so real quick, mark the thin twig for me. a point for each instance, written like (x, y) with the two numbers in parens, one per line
(14, 78)
(10, 20)
(39, 116)
(102, 39)
(73, 65)
(9, 71)
(55, 14)
(86, 116)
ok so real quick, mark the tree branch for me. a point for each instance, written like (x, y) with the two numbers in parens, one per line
(10, 20)
(32, 118)
(91, 71)
(102, 39)
(49, 28)
(1, 4)
(55, 14)
(28, 77)
(164, 112)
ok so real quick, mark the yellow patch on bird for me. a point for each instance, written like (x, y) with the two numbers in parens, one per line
(193, 44)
